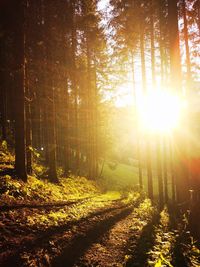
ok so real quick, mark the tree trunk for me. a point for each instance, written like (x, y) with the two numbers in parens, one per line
(159, 174)
(142, 55)
(165, 169)
(52, 174)
(175, 59)
(75, 89)
(149, 169)
(20, 154)
(143, 70)
(182, 182)
(171, 159)
(187, 49)
(161, 43)
(138, 148)
(153, 71)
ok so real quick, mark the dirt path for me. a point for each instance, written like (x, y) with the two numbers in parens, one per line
(116, 246)
(45, 245)
(89, 235)
(129, 234)
(111, 249)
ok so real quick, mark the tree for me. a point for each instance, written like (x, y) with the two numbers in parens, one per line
(20, 138)
(182, 185)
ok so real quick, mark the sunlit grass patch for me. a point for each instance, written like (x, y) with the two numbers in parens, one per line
(121, 177)
(74, 212)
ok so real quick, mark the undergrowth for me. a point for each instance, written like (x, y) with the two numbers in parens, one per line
(36, 190)
(76, 212)
(13, 190)
(161, 254)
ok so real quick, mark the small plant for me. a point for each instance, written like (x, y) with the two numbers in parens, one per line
(34, 152)
(5, 155)
(4, 146)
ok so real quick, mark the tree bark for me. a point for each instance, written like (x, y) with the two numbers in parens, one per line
(182, 182)
(20, 154)
(159, 173)
(187, 49)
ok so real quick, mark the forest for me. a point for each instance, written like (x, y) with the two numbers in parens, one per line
(99, 133)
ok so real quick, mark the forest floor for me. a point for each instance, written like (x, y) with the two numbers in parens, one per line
(74, 223)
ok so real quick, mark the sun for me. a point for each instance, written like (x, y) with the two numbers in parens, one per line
(159, 112)
(123, 101)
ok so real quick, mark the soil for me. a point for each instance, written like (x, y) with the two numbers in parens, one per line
(31, 246)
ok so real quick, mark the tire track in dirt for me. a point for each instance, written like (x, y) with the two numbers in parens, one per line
(14, 232)
(141, 243)
(81, 243)
(55, 239)
(110, 250)
(118, 246)
(115, 247)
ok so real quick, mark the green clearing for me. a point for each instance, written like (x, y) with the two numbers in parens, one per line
(125, 176)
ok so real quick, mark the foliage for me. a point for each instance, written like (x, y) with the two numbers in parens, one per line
(34, 152)
(4, 146)
(9, 187)
(161, 254)
(189, 246)
(5, 155)
(35, 190)
(38, 169)
(143, 217)
(145, 210)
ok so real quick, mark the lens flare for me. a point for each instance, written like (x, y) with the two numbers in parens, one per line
(159, 111)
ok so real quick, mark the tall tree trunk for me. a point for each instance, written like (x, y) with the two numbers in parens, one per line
(28, 139)
(159, 173)
(66, 136)
(27, 106)
(75, 88)
(96, 120)
(20, 154)
(3, 81)
(165, 176)
(175, 59)
(171, 159)
(138, 148)
(89, 115)
(149, 169)
(153, 71)
(148, 150)
(50, 46)
(196, 6)
(187, 49)
(52, 175)
(28, 132)
(142, 56)
(182, 182)
(3, 101)
(161, 43)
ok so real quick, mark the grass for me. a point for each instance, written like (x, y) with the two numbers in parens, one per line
(126, 177)
(76, 212)
(122, 176)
